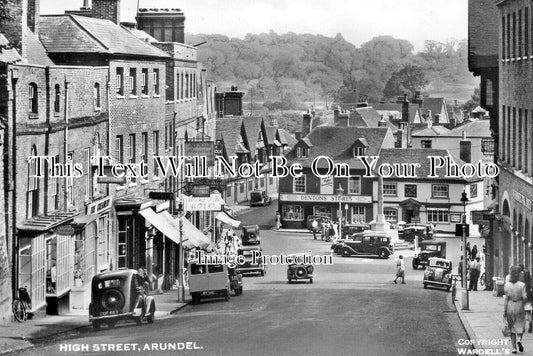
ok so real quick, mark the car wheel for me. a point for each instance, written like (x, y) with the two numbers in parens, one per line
(311, 280)
(96, 325)
(383, 254)
(448, 288)
(139, 320)
(415, 265)
(345, 252)
(262, 273)
(425, 286)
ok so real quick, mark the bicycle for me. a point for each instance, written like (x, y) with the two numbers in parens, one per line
(21, 305)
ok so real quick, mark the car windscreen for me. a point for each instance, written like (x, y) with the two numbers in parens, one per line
(111, 283)
(432, 248)
(215, 268)
(256, 196)
(198, 269)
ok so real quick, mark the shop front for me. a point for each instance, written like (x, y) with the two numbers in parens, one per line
(295, 208)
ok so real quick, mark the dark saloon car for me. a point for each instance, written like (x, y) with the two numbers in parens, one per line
(250, 235)
(337, 243)
(297, 271)
(350, 229)
(368, 244)
(253, 262)
(428, 249)
(438, 273)
(410, 232)
(119, 295)
(259, 198)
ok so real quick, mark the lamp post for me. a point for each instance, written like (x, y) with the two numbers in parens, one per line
(340, 192)
(464, 200)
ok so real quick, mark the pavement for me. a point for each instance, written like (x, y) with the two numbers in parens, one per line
(19, 336)
(483, 321)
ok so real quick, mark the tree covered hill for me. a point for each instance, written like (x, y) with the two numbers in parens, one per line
(293, 68)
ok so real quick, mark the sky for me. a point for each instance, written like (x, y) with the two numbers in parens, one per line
(357, 20)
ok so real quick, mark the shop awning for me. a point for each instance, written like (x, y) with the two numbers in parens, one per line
(195, 236)
(83, 220)
(165, 226)
(226, 219)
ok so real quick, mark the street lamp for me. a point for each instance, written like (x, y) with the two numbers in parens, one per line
(340, 192)
(464, 200)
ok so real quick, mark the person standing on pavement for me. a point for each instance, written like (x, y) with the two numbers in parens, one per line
(278, 220)
(473, 253)
(400, 270)
(513, 307)
(475, 270)
(528, 304)
(468, 250)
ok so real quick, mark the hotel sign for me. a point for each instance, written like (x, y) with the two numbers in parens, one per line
(100, 206)
(211, 203)
(522, 199)
(325, 198)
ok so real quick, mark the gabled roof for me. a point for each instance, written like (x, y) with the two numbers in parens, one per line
(80, 34)
(8, 55)
(271, 134)
(372, 117)
(433, 104)
(286, 138)
(229, 131)
(420, 155)
(336, 143)
(479, 110)
(435, 130)
(35, 53)
(252, 127)
(472, 128)
(387, 107)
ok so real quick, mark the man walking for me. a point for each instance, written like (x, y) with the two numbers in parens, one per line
(400, 270)
(475, 270)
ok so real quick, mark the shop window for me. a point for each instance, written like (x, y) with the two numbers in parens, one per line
(358, 214)
(322, 211)
(390, 189)
(299, 184)
(439, 190)
(438, 215)
(229, 188)
(391, 215)
(292, 212)
(103, 243)
(241, 187)
(354, 185)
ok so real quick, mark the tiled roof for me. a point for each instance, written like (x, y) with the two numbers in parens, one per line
(8, 55)
(419, 155)
(336, 142)
(433, 104)
(473, 128)
(372, 117)
(286, 138)
(387, 107)
(36, 53)
(79, 34)
(271, 133)
(432, 131)
(229, 131)
(252, 126)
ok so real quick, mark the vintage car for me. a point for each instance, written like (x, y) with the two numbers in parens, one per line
(371, 243)
(297, 271)
(250, 235)
(337, 243)
(253, 262)
(438, 273)
(350, 229)
(410, 232)
(208, 281)
(119, 295)
(235, 280)
(429, 248)
(259, 198)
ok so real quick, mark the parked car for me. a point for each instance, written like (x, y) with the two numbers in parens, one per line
(429, 248)
(369, 243)
(119, 295)
(208, 281)
(337, 243)
(252, 260)
(297, 271)
(259, 198)
(350, 229)
(235, 280)
(250, 235)
(438, 273)
(424, 232)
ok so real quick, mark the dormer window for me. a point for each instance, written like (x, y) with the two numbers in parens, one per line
(359, 151)
(302, 152)
(359, 147)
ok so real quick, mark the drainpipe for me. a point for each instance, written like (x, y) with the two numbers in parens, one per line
(65, 140)
(12, 184)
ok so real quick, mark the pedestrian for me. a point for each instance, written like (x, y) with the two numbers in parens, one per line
(314, 227)
(468, 253)
(475, 271)
(528, 306)
(473, 253)
(513, 308)
(278, 220)
(400, 270)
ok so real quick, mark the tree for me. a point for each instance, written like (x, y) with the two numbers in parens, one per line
(8, 15)
(473, 102)
(405, 81)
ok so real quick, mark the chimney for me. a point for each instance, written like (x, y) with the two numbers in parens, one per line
(274, 122)
(33, 15)
(85, 5)
(165, 25)
(382, 122)
(298, 135)
(343, 120)
(306, 124)
(233, 102)
(418, 99)
(107, 10)
(336, 115)
(465, 149)
(219, 104)
(428, 115)
(405, 107)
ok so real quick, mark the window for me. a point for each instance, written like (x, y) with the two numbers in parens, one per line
(487, 146)
(439, 190)
(250, 184)
(358, 214)
(473, 190)
(131, 157)
(229, 188)
(86, 176)
(270, 180)
(103, 246)
(182, 86)
(489, 92)
(508, 36)
(526, 31)
(119, 80)
(299, 184)
(241, 187)
(410, 190)
(519, 44)
(514, 35)
(301, 152)
(390, 189)
(292, 212)
(144, 151)
(358, 151)
(322, 211)
(57, 98)
(426, 144)
(155, 149)
(144, 81)
(133, 81)
(53, 189)
(156, 81)
(96, 96)
(438, 215)
(32, 198)
(262, 181)
(33, 107)
(187, 86)
(119, 146)
(391, 215)
(354, 185)
(503, 37)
